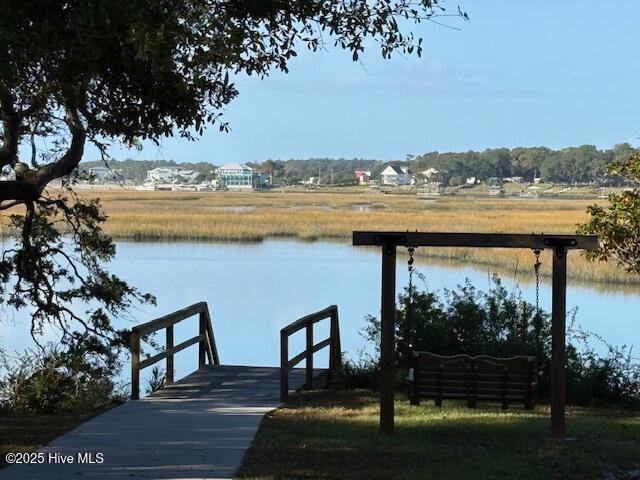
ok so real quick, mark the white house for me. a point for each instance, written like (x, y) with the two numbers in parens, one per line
(103, 174)
(171, 174)
(395, 175)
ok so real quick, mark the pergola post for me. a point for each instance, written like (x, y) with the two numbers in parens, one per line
(560, 245)
(558, 341)
(387, 337)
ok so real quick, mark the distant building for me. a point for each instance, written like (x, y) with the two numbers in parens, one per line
(171, 175)
(310, 181)
(103, 174)
(236, 176)
(363, 176)
(395, 175)
(513, 180)
(471, 181)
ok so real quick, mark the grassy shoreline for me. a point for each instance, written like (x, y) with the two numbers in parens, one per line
(317, 215)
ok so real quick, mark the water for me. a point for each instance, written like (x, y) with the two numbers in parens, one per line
(253, 290)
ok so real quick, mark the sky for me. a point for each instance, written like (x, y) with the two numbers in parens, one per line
(519, 73)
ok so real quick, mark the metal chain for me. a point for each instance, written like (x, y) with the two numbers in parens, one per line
(536, 267)
(410, 302)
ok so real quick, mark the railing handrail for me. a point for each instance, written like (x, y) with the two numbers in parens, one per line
(312, 317)
(170, 318)
(205, 340)
(333, 341)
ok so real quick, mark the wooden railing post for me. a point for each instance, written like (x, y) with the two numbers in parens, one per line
(284, 366)
(309, 363)
(202, 345)
(334, 349)
(169, 348)
(134, 345)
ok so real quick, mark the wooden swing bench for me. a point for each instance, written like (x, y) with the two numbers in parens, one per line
(461, 377)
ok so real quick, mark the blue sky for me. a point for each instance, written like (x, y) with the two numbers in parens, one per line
(520, 73)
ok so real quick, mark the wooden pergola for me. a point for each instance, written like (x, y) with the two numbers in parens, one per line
(388, 241)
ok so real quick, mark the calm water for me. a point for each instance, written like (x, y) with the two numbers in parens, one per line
(253, 290)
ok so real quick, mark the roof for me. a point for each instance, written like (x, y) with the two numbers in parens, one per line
(234, 166)
(395, 170)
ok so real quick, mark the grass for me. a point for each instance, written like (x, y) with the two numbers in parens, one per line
(325, 435)
(26, 433)
(312, 215)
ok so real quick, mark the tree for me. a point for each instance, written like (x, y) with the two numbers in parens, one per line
(618, 225)
(106, 71)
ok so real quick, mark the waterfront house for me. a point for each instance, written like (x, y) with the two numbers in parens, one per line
(171, 175)
(235, 176)
(395, 175)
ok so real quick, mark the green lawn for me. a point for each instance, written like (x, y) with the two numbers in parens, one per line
(334, 435)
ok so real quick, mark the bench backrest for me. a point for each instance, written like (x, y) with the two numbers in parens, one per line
(481, 377)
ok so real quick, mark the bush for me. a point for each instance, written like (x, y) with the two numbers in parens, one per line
(51, 381)
(501, 324)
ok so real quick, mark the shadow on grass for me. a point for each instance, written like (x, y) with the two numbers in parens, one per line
(335, 435)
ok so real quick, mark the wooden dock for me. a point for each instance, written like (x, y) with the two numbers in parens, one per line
(197, 428)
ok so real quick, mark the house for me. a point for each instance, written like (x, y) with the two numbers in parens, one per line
(395, 175)
(171, 175)
(236, 176)
(103, 174)
(310, 182)
(427, 176)
(513, 180)
(363, 176)
(471, 181)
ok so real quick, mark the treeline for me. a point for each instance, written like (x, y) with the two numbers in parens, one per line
(329, 171)
(584, 164)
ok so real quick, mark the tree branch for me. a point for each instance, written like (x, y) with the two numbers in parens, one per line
(11, 130)
(70, 160)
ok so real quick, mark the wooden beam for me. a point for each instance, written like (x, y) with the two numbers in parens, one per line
(134, 346)
(387, 338)
(312, 317)
(558, 342)
(170, 319)
(147, 362)
(284, 368)
(480, 240)
(169, 347)
(308, 384)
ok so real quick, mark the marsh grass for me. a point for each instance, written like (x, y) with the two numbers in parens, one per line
(313, 215)
(335, 435)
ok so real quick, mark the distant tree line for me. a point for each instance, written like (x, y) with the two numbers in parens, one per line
(584, 164)
(327, 170)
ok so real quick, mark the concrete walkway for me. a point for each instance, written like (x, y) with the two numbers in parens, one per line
(200, 427)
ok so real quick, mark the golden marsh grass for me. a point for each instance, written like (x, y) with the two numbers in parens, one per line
(227, 216)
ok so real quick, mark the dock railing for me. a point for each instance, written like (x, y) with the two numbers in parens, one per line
(333, 342)
(205, 340)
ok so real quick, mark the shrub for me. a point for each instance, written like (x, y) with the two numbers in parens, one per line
(157, 380)
(502, 324)
(51, 380)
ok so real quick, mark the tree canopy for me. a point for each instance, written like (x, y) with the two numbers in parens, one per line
(132, 70)
(123, 71)
(618, 224)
